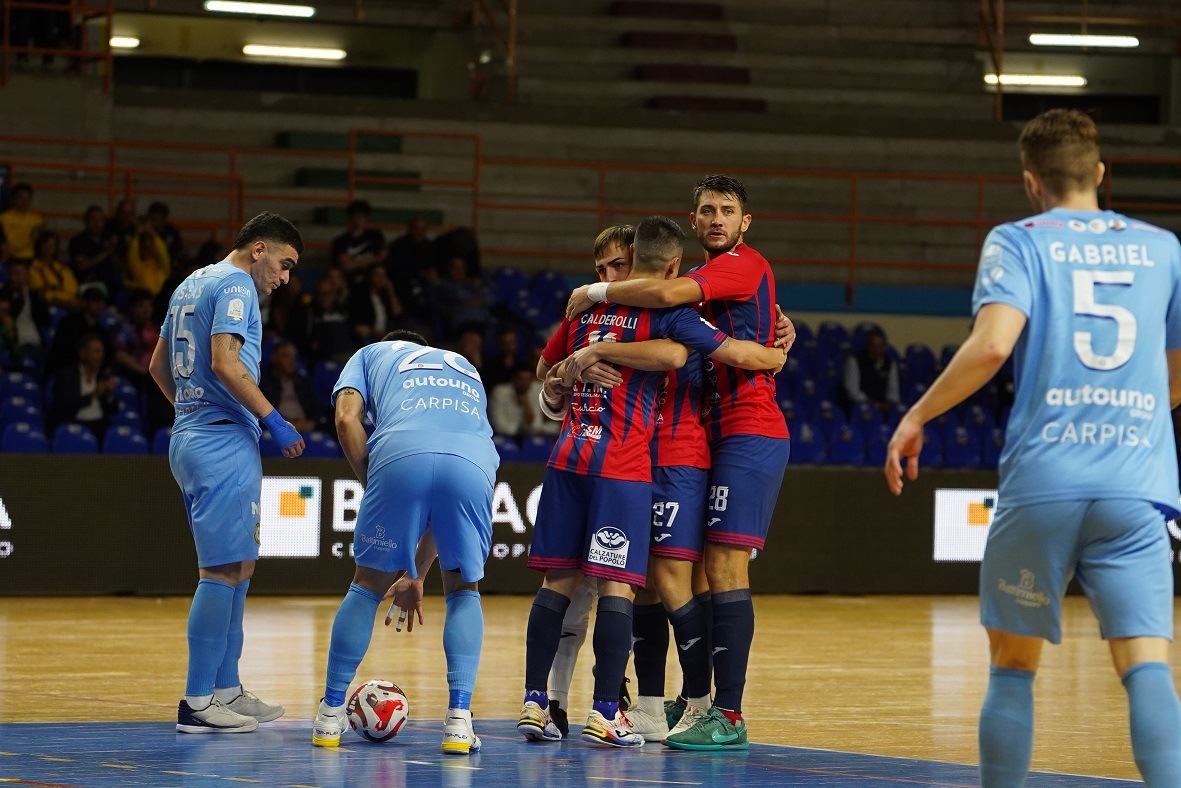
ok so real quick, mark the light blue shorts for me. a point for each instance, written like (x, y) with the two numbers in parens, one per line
(1118, 549)
(443, 492)
(219, 472)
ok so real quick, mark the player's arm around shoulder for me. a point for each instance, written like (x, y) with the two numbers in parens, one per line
(744, 354)
(350, 407)
(651, 355)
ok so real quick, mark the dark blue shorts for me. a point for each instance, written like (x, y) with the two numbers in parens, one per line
(597, 526)
(744, 485)
(679, 497)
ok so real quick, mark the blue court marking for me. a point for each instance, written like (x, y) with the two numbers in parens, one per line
(73, 755)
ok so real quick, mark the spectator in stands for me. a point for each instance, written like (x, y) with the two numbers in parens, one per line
(470, 345)
(324, 331)
(460, 242)
(148, 263)
(374, 306)
(462, 301)
(209, 253)
(411, 256)
(157, 222)
(10, 355)
(122, 227)
(21, 224)
(507, 359)
(513, 408)
(871, 375)
(74, 326)
(133, 343)
(285, 303)
(91, 254)
(49, 277)
(30, 314)
(84, 391)
(290, 390)
(360, 246)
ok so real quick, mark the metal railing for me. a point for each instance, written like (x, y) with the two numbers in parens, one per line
(83, 53)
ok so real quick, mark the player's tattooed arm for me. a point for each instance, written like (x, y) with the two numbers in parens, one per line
(161, 370)
(743, 354)
(350, 407)
(653, 355)
(226, 361)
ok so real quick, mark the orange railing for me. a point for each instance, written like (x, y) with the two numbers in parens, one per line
(83, 53)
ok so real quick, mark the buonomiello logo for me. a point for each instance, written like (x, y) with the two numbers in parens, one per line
(290, 517)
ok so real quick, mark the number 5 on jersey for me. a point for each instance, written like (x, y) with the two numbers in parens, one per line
(183, 357)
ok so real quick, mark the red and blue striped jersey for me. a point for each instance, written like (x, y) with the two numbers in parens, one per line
(680, 438)
(739, 293)
(607, 432)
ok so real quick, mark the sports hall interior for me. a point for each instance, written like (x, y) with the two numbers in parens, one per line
(877, 145)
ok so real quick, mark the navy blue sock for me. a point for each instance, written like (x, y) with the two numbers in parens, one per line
(734, 629)
(692, 639)
(650, 648)
(351, 630)
(463, 637)
(612, 641)
(1155, 716)
(209, 622)
(541, 642)
(1006, 728)
(227, 674)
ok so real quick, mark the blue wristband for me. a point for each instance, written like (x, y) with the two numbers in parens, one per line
(280, 430)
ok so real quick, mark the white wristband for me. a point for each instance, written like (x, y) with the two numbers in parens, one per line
(598, 292)
(548, 410)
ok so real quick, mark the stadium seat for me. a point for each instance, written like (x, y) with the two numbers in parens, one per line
(509, 285)
(860, 332)
(807, 446)
(19, 384)
(932, 454)
(831, 334)
(977, 419)
(268, 447)
(74, 439)
(920, 364)
(128, 397)
(124, 440)
(829, 378)
(961, 449)
(827, 417)
(846, 446)
(536, 448)
(807, 353)
(23, 438)
(128, 418)
(507, 448)
(866, 416)
(807, 396)
(946, 354)
(319, 444)
(894, 415)
(875, 450)
(803, 331)
(990, 448)
(161, 440)
(324, 377)
(16, 409)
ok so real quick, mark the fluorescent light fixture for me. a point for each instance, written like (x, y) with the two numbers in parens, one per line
(259, 9)
(299, 53)
(1037, 80)
(124, 42)
(1073, 40)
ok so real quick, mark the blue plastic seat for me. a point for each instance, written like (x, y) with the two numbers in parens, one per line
(319, 444)
(932, 454)
(828, 418)
(268, 446)
(866, 416)
(128, 418)
(536, 448)
(124, 440)
(19, 384)
(961, 449)
(990, 448)
(807, 445)
(324, 377)
(161, 440)
(876, 444)
(507, 448)
(846, 446)
(74, 439)
(16, 409)
(24, 438)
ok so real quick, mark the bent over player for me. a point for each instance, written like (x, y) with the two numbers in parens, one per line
(430, 465)
(206, 363)
(1088, 302)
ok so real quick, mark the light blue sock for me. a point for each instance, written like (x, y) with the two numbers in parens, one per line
(463, 636)
(1155, 715)
(209, 620)
(227, 674)
(1006, 729)
(351, 631)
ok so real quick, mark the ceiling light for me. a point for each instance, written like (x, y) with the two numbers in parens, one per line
(259, 9)
(1037, 80)
(124, 42)
(302, 53)
(1071, 40)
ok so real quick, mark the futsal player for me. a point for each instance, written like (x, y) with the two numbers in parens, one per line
(1088, 302)
(748, 437)
(429, 470)
(600, 469)
(206, 363)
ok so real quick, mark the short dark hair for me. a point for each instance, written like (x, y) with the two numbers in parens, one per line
(721, 184)
(23, 186)
(269, 227)
(159, 208)
(360, 206)
(659, 241)
(87, 337)
(405, 335)
(1061, 146)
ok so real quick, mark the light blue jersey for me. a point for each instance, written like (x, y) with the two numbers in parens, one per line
(422, 400)
(1091, 418)
(217, 299)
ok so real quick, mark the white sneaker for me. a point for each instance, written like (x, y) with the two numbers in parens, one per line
(695, 709)
(614, 733)
(329, 725)
(248, 704)
(536, 724)
(647, 718)
(214, 718)
(458, 736)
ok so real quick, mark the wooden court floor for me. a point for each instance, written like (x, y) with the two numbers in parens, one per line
(897, 676)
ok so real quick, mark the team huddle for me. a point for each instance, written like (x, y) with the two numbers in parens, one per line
(670, 459)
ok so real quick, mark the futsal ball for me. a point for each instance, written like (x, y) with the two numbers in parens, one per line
(377, 710)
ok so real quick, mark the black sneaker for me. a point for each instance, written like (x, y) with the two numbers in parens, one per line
(625, 698)
(558, 715)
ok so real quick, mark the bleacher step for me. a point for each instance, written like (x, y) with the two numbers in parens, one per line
(707, 12)
(338, 178)
(337, 215)
(710, 42)
(676, 72)
(335, 141)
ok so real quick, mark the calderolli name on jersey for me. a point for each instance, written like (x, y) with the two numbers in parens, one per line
(467, 399)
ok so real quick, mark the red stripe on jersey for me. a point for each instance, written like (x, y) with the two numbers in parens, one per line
(739, 290)
(680, 438)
